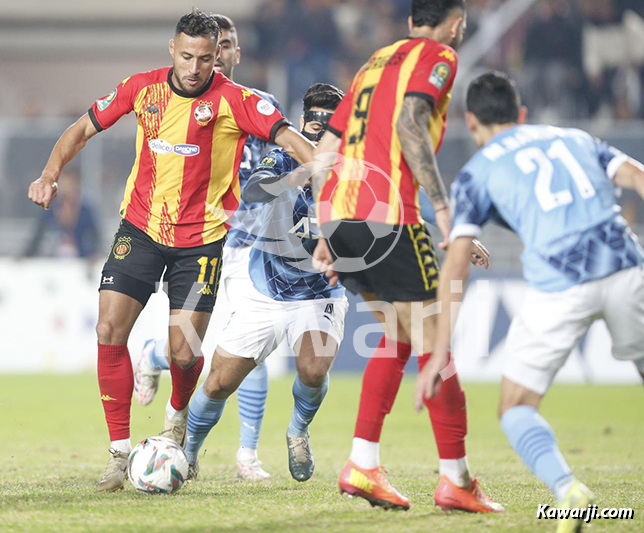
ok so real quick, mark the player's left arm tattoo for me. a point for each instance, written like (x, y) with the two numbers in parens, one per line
(412, 128)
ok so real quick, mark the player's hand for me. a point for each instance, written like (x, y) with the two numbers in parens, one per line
(479, 255)
(323, 261)
(43, 191)
(300, 177)
(444, 223)
(429, 380)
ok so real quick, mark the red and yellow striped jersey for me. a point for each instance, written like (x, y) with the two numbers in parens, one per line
(371, 180)
(185, 180)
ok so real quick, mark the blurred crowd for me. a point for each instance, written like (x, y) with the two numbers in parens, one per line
(574, 59)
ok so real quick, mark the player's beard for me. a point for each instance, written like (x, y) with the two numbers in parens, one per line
(192, 90)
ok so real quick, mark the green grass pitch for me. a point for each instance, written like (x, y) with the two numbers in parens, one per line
(54, 447)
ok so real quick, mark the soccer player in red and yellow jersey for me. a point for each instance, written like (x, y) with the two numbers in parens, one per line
(387, 131)
(192, 126)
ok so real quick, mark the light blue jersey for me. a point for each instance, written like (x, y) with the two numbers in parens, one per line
(244, 223)
(280, 261)
(553, 188)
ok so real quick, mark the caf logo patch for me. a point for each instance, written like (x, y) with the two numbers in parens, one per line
(440, 75)
(122, 248)
(267, 162)
(204, 113)
(104, 103)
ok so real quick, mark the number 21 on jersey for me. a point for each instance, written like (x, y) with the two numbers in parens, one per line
(534, 159)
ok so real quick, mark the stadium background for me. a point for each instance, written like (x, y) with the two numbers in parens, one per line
(577, 62)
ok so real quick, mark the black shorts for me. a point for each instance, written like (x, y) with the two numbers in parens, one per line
(136, 262)
(396, 263)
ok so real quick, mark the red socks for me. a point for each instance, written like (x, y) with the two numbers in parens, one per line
(448, 415)
(380, 384)
(116, 383)
(184, 383)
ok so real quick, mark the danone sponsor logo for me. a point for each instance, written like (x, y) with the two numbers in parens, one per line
(187, 150)
(160, 146)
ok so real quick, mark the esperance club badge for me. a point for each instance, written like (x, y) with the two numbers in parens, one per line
(204, 113)
(122, 248)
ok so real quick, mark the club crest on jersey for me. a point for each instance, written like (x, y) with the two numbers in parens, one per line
(439, 76)
(122, 248)
(104, 103)
(204, 113)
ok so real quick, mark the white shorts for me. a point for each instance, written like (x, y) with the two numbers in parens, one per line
(234, 277)
(259, 323)
(550, 324)
(234, 282)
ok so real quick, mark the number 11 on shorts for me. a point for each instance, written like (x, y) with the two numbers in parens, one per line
(203, 262)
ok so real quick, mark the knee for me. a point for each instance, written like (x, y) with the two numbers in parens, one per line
(183, 353)
(108, 334)
(313, 376)
(184, 358)
(216, 388)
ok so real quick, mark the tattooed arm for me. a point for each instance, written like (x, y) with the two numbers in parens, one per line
(413, 130)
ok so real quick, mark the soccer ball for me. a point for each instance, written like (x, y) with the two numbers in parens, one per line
(157, 465)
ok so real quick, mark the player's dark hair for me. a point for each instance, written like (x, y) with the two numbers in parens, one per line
(197, 23)
(322, 95)
(433, 12)
(494, 99)
(224, 22)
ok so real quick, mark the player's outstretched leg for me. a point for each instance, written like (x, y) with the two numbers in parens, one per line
(207, 405)
(535, 442)
(315, 352)
(251, 397)
(154, 359)
(363, 476)
(186, 335)
(117, 314)
(456, 488)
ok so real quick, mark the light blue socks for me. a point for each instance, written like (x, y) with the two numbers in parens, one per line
(307, 401)
(203, 415)
(251, 397)
(535, 442)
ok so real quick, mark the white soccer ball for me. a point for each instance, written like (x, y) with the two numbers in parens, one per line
(157, 465)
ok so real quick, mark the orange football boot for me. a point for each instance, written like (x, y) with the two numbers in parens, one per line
(450, 496)
(372, 485)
